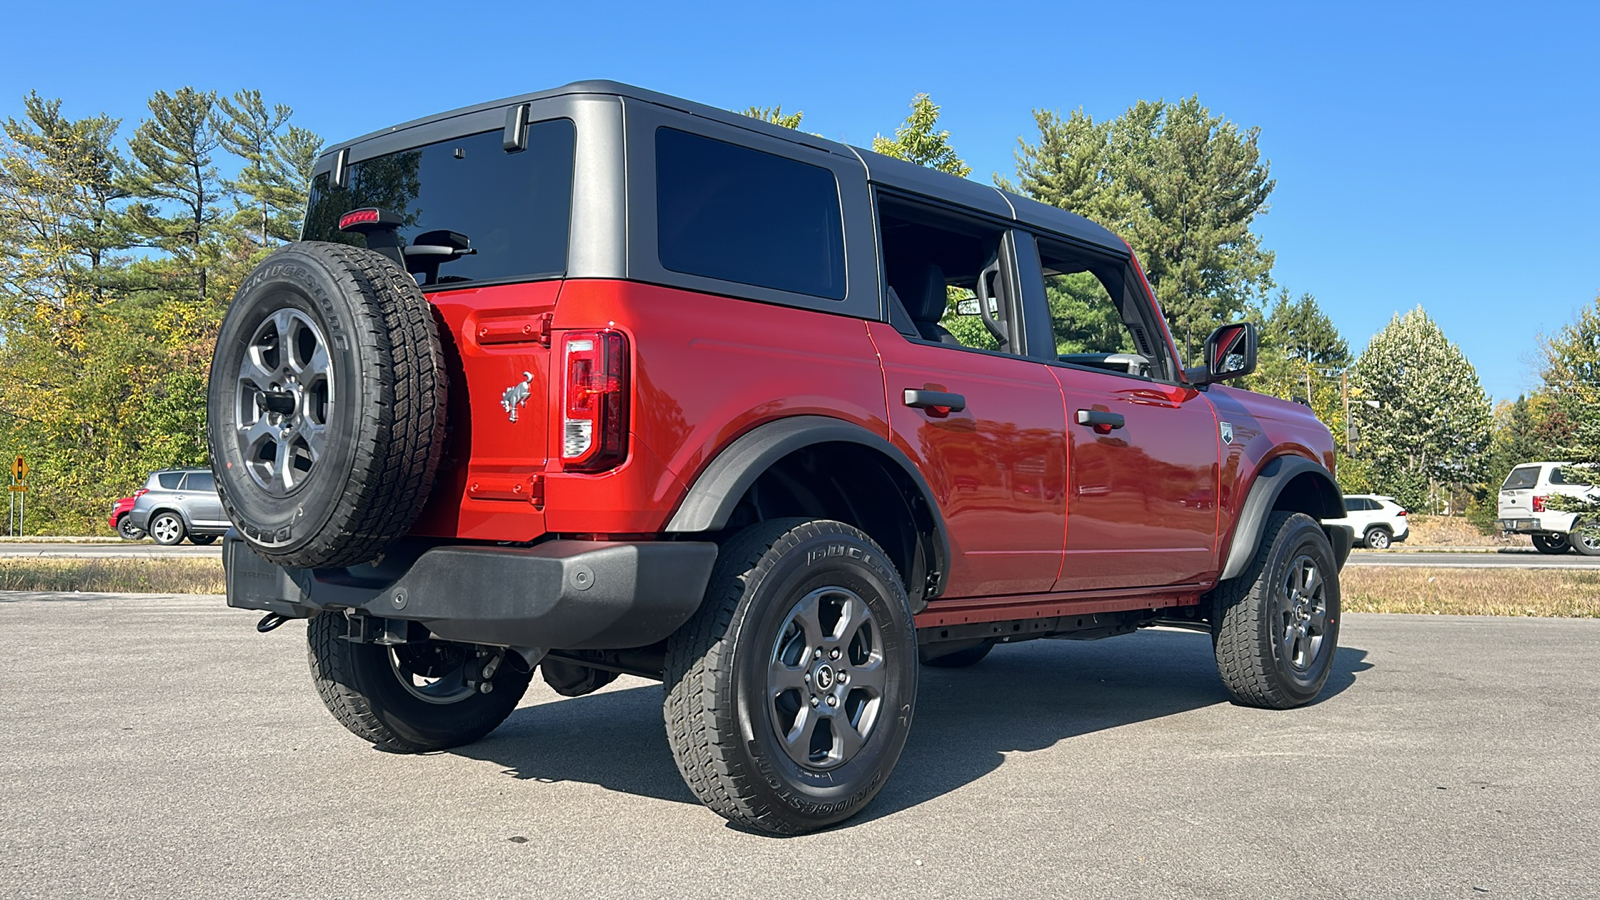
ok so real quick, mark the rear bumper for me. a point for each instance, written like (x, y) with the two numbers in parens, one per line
(1546, 523)
(575, 595)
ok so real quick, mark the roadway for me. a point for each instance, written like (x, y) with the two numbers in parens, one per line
(158, 746)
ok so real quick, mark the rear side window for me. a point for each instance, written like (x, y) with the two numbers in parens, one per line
(1521, 477)
(1576, 477)
(200, 481)
(170, 480)
(1356, 504)
(728, 212)
(514, 208)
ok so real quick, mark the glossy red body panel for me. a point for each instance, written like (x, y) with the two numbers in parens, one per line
(706, 369)
(487, 477)
(120, 509)
(1142, 507)
(997, 468)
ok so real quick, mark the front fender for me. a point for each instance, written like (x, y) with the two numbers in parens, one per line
(1315, 494)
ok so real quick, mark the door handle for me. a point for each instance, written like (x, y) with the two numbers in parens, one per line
(1102, 422)
(937, 403)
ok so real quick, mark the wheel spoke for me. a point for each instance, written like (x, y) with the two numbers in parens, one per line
(781, 678)
(280, 465)
(873, 677)
(316, 439)
(1308, 577)
(254, 373)
(807, 616)
(318, 364)
(846, 740)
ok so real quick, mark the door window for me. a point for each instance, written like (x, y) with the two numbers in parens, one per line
(945, 277)
(1096, 318)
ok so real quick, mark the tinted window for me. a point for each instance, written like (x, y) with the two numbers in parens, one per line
(1094, 318)
(170, 480)
(1356, 504)
(200, 481)
(1521, 477)
(736, 214)
(1560, 475)
(514, 208)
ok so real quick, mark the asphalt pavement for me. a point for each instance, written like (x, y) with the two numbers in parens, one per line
(97, 550)
(159, 746)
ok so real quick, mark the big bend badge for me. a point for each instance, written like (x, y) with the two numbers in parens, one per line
(1227, 432)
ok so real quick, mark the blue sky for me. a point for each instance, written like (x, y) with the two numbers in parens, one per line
(1442, 154)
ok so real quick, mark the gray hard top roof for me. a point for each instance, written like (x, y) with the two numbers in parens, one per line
(881, 170)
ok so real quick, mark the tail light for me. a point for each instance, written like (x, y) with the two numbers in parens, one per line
(1538, 504)
(140, 493)
(594, 422)
(1401, 512)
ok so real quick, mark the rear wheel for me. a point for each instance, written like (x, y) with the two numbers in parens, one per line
(127, 530)
(1553, 544)
(790, 691)
(1378, 538)
(201, 539)
(1275, 628)
(1585, 537)
(414, 697)
(167, 528)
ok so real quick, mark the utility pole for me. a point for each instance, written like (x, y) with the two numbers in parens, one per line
(1344, 395)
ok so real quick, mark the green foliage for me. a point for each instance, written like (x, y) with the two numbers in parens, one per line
(1431, 424)
(278, 157)
(775, 115)
(916, 141)
(1571, 375)
(104, 352)
(1302, 355)
(1083, 316)
(1183, 185)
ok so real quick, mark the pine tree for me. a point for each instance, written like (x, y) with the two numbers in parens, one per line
(916, 141)
(1431, 424)
(173, 175)
(1571, 376)
(775, 115)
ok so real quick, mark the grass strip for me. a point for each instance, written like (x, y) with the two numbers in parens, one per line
(135, 576)
(1560, 593)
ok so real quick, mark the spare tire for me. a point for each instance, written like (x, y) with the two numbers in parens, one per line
(326, 407)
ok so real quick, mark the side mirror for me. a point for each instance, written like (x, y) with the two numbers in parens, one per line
(1230, 353)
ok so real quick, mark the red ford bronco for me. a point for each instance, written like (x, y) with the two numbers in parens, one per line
(599, 381)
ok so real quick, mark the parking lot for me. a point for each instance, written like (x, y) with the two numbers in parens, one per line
(158, 746)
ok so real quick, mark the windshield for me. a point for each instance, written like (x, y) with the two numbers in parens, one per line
(513, 208)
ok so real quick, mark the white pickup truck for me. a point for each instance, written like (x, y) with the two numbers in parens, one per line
(1524, 506)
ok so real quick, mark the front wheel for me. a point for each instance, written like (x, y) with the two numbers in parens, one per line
(1553, 544)
(414, 697)
(167, 529)
(1275, 628)
(790, 691)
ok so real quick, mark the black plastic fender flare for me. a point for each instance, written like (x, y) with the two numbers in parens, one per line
(712, 498)
(1275, 475)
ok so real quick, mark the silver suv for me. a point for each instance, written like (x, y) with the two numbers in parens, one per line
(178, 504)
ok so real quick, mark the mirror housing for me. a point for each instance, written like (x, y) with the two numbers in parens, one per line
(1230, 352)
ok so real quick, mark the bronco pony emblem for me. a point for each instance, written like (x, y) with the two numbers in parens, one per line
(516, 395)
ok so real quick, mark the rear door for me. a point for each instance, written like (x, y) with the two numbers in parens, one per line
(201, 501)
(983, 424)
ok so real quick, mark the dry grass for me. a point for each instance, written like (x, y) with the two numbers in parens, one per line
(1562, 593)
(1455, 531)
(138, 576)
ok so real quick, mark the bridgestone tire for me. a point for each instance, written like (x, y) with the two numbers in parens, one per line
(1585, 537)
(722, 712)
(1254, 614)
(967, 656)
(326, 407)
(1377, 539)
(1552, 544)
(361, 686)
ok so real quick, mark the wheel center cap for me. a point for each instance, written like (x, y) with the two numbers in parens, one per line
(824, 676)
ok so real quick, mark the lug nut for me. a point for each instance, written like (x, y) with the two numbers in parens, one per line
(843, 676)
(814, 702)
(833, 701)
(818, 654)
(834, 654)
(808, 677)
(486, 687)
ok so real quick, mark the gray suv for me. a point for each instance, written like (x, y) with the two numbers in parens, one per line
(178, 504)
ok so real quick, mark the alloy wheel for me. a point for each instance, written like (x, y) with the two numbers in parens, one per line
(826, 678)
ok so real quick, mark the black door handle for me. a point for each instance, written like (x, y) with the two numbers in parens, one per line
(1102, 422)
(920, 399)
